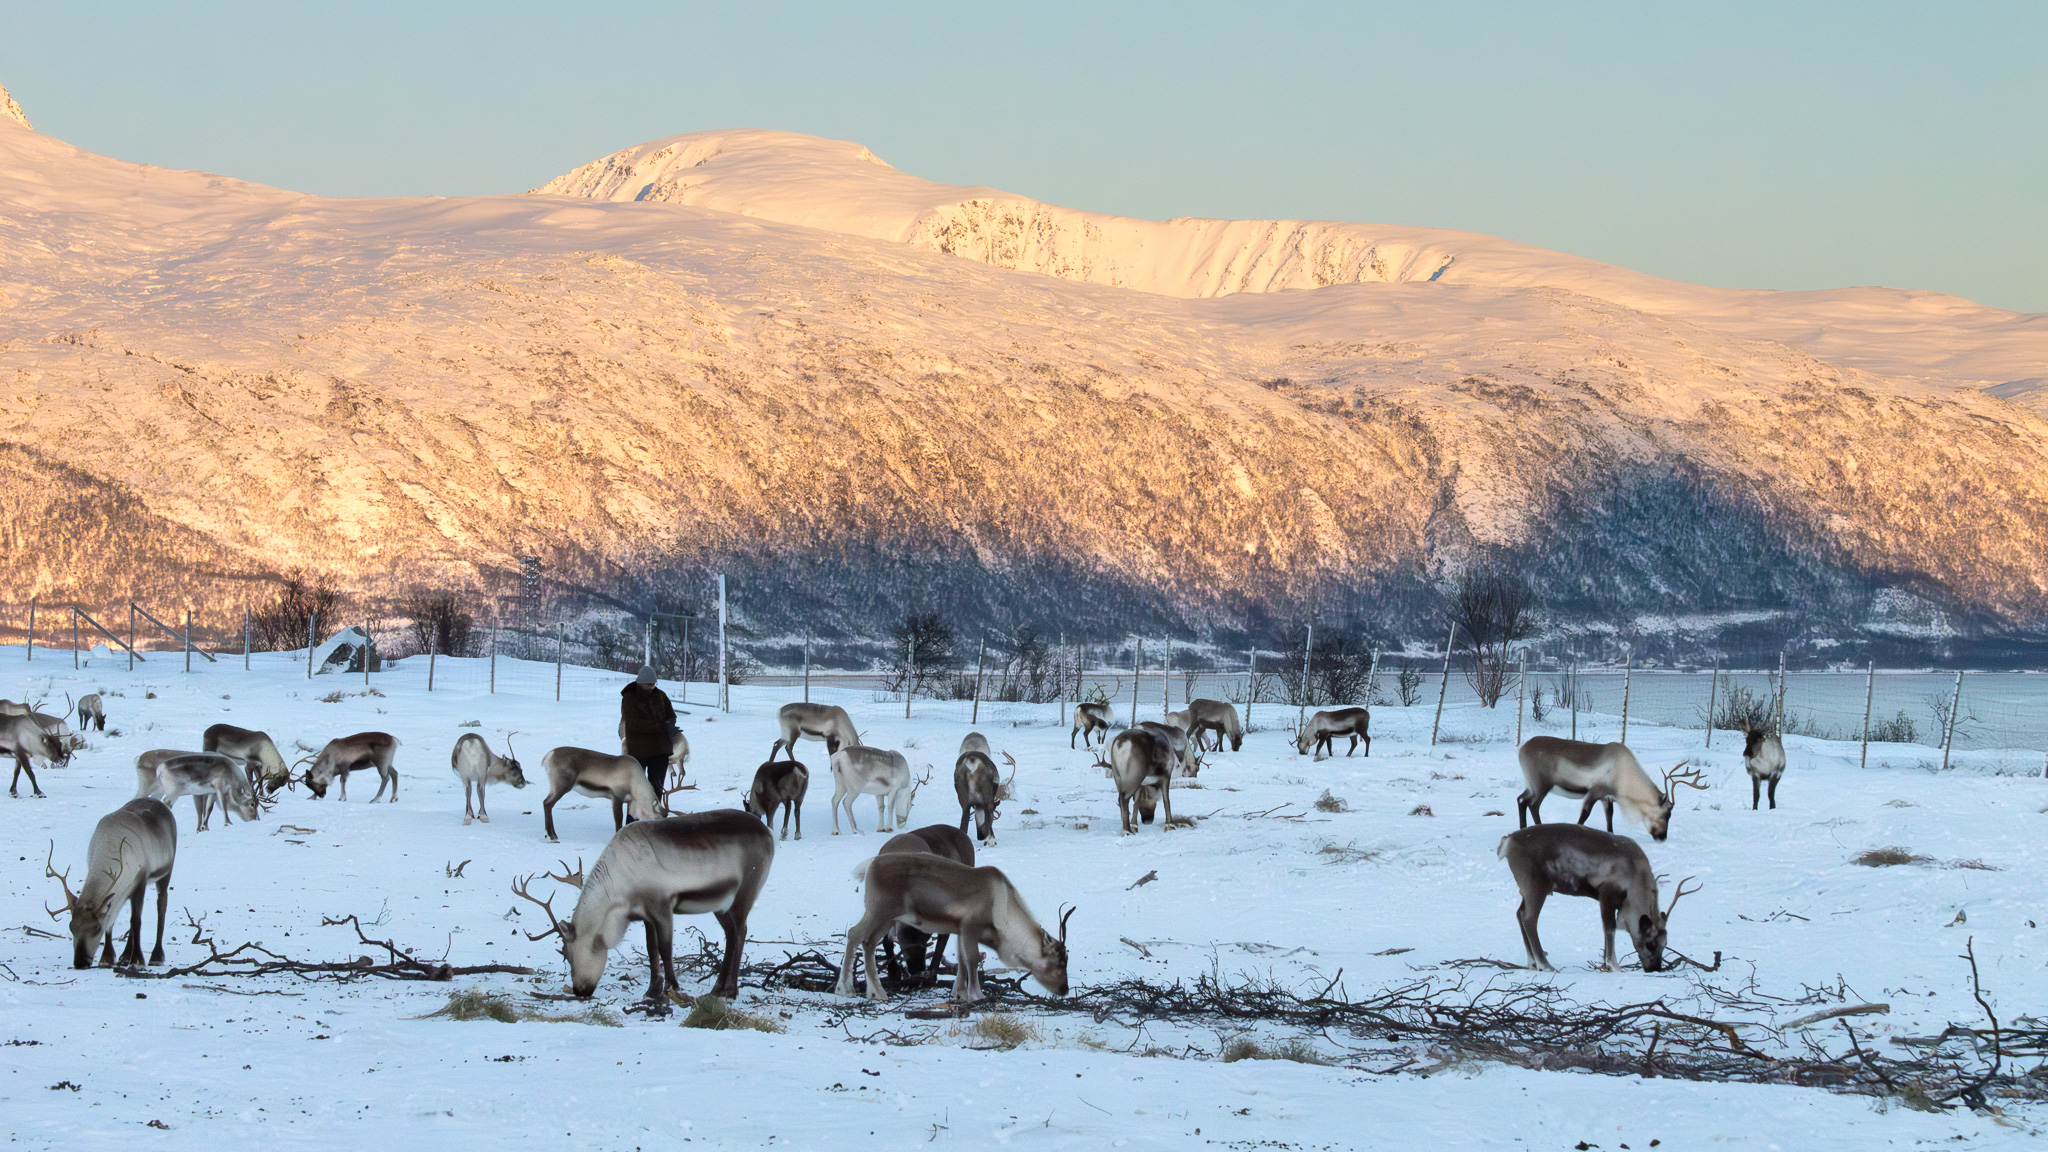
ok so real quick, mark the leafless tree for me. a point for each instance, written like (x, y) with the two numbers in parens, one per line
(1493, 608)
(923, 651)
(439, 621)
(280, 624)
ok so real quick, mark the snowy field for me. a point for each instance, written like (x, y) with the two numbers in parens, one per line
(91, 1059)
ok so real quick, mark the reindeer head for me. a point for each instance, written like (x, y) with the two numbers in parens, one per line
(1660, 820)
(1304, 739)
(1049, 967)
(88, 924)
(1651, 929)
(586, 952)
(512, 774)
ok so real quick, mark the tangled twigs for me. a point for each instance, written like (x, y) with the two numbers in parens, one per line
(252, 959)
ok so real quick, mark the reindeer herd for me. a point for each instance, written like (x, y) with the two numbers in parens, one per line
(922, 884)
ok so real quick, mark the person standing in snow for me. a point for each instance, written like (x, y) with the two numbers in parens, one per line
(649, 719)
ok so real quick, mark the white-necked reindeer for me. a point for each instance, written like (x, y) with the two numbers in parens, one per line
(345, 754)
(1217, 716)
(1090, 719)
(619, 779)
(207, 777)
(980, 788)
(779, 784)
(267, 768)
(858, 770)
(699, 862)
(1601, 773)
(132, 847)
(1573, 860)
(976, 906)
(1763, 757)
(1143, 764)
(92, 711)
(827, 722)
(25, 740)
(1324, 727)
(476, 765)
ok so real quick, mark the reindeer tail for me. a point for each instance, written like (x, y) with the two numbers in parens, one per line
(1502, 849)
(860, 870)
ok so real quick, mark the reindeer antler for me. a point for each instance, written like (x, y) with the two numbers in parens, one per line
(1065, 915)
(50, 873)
(508, 744)
(572, 879)
(519, 889)
(1680, 893)
(1674, 777)
(661, 802)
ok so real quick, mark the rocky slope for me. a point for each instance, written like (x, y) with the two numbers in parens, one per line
(211, 381)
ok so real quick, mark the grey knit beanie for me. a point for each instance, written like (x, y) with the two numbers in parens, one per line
(646, 675)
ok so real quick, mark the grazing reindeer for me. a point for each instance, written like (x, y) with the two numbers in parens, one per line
(58, 729)
(903, 947)
(779, 784)
(132, 847)
(1603, 773)
(266, 767)
(346, 754)
(712, 862)
(678, 753)
(25, 740)
(1090, 719)
(1323, 728)
(977, 905)
(91, 711)
(1143, 764)
(477, 765)
(1217, 716)
(858, 770)
(1177, 737)
(1573, 860)
(827, 722)
(980, 788)
(204, 776)
(1763, 756)
(619, 779)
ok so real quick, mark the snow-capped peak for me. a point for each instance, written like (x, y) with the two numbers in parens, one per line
(9, 110)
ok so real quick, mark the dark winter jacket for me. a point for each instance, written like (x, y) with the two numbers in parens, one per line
(649, 719)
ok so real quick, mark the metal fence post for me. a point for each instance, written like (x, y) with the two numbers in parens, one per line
(494, 655)
(430, 660)
(1948, 740)
(980, 663)
(558, 661)
(1166, 681)
(245, 639)
(1713, 688)
(1444, 688)
(1780, 724)
(1372, 681)
(1137, 675)
(1575, 699)
(1869, 694)
(1060, 679)
(131, 635)
(807, 666)
(724, 677)
(74, 637)
(647, 646)
(1251, 686)
(1308, 644)
(312, 622)
(1628, 673)
(31, 629)
(188, 639)
(366, 654)
(1521, 694)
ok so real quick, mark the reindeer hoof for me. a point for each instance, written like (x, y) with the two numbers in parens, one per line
(481, 816)
(466, 821)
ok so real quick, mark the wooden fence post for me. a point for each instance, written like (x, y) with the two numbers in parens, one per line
(31, 629)
(980, 663)
(1948, 740)
(1444, 688)
(1869, 694)
(1713, 689)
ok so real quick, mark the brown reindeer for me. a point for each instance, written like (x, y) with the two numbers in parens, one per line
(1573, 860)
(976, 905)
(1323, 728)
(1763, 757)
(1143, 764)
(619, 779)
(779, 784)
(345, 754)
(132, 847)
(980, 788)
(1090, 719)
(1602, 773)
(1218, 717)
(256, 749)
(903, 947)
(26, 740)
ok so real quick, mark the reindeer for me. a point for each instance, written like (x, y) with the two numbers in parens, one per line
(346, 754)
(974, 742)
(678, 753)
(204, 776)
(779, 784)
(977, 905)
(1215, 716)
(903, 947)
(712, 862)
(58, 729)
(1763, 757)
(475, 763)
(1176, 735)
(132, 847)
(1323, 728)
(858, 770)
(980, 788)
(619, 779)
(1605, 773)
(1578, 861)
(827, 722)
(266, 767)
(91, 711)
(1090, 718)
(1143, 764)
(26, 740)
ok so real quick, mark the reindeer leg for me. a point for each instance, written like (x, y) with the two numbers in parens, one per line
(618, 814)
(1607, 917)
(854, 941)
(654, 990)
(1774, 793)
(1756, 787)
(1526, 915)
(481, 814)
(967, 974)
(202, 804)
(131, 953)
(1586, 809)
(883, 819)
(838, 792)
(1522, 810)
(1609, 804)
(735, 943)
(547, 810)
(1123, 811)
(163, 892)
(107, 949)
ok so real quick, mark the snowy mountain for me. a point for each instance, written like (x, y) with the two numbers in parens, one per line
(763, 352)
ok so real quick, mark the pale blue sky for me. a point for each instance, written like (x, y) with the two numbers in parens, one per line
(1780, 145)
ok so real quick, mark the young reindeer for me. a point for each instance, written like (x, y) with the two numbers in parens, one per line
(25, 740)
(1763, 757)
(91, 711)
(701, 862)
(1090, 719)
(976, 905)
(1323, 728)
(980, 788)
(827, 722)
(1217, 716)
(476, 765)
(903, 947)
(1573, 860)
(1602, 773)
(619, 779)
(858, 770)
(346, 754)
(205, 776)
(266, 767)
(678, 751)
(1143, 764)
(779, 784)
(132, 847)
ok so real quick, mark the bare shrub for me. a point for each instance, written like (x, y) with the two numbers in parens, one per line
(1329, 803)
(1408, 684)
(1337, 673)
(714, 1013)
(1004, 1031)
(438, 622)
(1296, 1049)
(922, 653)
(1493, 607)
(279, 625)
(1740, 709)
(1889, 857)
(1900, 729)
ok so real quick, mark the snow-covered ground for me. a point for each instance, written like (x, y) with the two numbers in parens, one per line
(1247, 891)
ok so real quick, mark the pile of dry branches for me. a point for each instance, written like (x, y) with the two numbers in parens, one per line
(256, 960)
